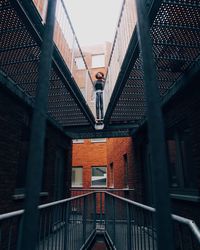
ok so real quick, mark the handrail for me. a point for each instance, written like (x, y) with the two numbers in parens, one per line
(11, 214)
(119, 48)
(114, 213)
(190, 223)
(101, 189)
(133, 202)
(76, 39)
(63, 201)
(115, 37)
(21, 211)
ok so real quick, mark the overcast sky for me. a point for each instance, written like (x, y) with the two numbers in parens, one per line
(94, 21)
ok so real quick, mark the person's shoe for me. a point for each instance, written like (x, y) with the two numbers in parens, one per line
(99, 125)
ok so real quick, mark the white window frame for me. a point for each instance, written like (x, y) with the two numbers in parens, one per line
(98, 140)
(98, 61)
(77, 185)
(80, 62)
(92, 185)
(78, 141)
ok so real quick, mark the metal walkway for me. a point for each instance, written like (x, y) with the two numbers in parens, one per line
(162, 57)
(75, 222)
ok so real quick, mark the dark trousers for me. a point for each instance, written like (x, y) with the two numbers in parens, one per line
(99, 105)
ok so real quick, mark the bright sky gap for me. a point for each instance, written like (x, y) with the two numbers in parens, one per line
(94, 21)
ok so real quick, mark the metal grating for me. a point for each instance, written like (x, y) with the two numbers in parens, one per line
(19, 59)
(175, 32)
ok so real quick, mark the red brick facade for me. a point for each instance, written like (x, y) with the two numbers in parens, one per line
(87, 155)
(112, 151)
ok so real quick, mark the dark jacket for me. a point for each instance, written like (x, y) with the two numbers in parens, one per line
(99, 84)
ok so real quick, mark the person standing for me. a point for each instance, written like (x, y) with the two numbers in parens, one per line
(99, 87)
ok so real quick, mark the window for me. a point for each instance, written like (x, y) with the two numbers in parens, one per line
(111, 175)
(59, 174)
(179, 156)
(80, 63)
(98, 61)
(95, 140)
(77, 176)
(78, 141)
(23, 157)
(125, 170)
(99, 176)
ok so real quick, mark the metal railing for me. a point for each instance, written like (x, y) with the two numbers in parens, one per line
(70, 223)
(64, 224)
(127, 193)
(67, 43)
(131, 225)
(124, 31)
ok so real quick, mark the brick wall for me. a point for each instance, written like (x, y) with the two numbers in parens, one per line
(87, 155)
(184, 107)
(116, 149)
(90, 154)
(14, 139)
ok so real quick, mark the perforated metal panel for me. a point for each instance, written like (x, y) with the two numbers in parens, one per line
(175, 32)
(19, 59)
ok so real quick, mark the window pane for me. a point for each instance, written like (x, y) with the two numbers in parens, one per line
(172, 151)
(99, 176)
(125, 171)
(98, 61)
(111, 175)
(98, 140)
(77, 177)
(80, 63)
(78, 141)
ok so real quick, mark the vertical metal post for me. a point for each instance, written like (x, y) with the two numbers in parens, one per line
(129, 231)
(84, 218)
(106, 211)
(101, 208)
(95, 204)
(67, 217)
(156, 134)
(37, 137)
(114, 214)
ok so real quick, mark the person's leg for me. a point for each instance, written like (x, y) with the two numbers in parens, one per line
(97, 104)
(101, 104)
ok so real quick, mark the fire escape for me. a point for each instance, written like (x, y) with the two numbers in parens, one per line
(162, 49)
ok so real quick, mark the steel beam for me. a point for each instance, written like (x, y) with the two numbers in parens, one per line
(156, 134)
(28, 238)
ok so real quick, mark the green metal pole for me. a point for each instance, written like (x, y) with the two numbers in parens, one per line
(28, 238)
(155, 133)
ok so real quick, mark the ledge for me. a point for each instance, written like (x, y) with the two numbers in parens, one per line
(22, 196)
(184, 197)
